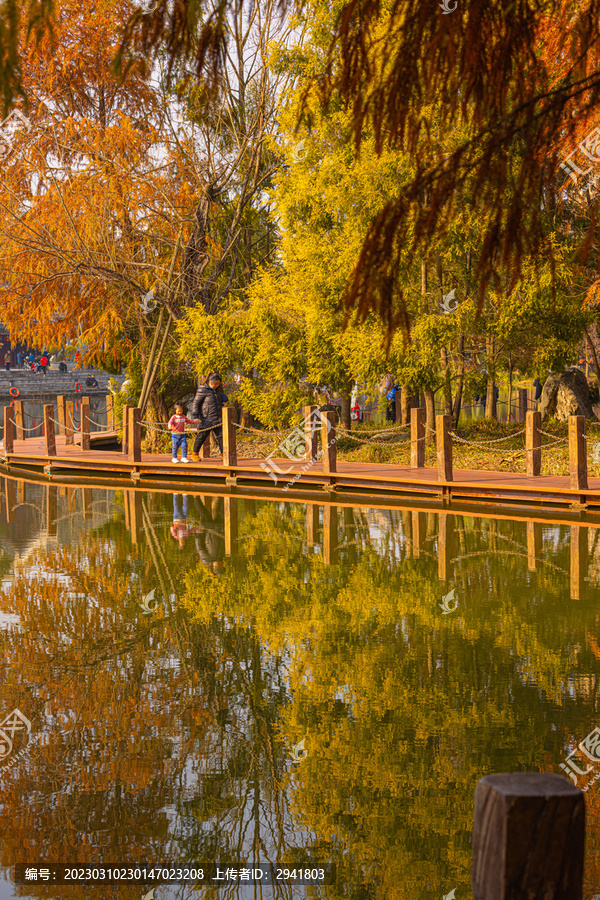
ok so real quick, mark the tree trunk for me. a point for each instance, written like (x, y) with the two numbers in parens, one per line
(156, 413)
(460, 382)
(594, 355)
(447, 384)
(404, 406)
(345, 410)
(430, 413)
(490, 401)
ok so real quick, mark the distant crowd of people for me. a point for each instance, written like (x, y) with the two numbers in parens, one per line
(39, 365)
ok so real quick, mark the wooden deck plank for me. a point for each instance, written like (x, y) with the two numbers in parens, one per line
(358, 475)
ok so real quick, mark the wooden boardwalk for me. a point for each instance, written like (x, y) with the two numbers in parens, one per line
(351, 478)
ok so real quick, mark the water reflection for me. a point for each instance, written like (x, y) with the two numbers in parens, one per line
(169, 736)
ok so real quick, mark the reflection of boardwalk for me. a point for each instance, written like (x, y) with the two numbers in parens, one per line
(388, 480)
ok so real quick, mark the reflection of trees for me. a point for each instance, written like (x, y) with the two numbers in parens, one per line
(169, 735)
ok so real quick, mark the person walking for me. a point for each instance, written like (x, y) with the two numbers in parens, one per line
(6, 361)
(44, 362)
(208, 409)
(176, 426)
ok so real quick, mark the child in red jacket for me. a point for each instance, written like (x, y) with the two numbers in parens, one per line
(176, 426)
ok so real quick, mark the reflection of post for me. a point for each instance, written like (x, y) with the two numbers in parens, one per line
(312, 523)
(86, 495)
(579, 560)
(330, 535)
(231, 524)
(135, 515)
(72, 499)
(51, 508)
(8, 490)
(534, 544)
(406, 530)
(418, 532)
(21, 491)
(493, 535)
(445, 534)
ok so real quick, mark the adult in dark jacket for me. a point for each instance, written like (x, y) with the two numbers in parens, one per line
(208, 407)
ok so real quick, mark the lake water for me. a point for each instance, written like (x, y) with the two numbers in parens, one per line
(266, 682)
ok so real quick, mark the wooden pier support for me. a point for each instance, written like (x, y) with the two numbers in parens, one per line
(311, 433)
(417, 438)
(84, 425)
(69, 423)
(20, 433)
(229, 437)
(49, 433)
(330, 533)
(134, 434)
(579, 561)
(60, 413)
(444, 447)
(533, 444)
(231, 525)
(328, 442)
(534, 544)
(9, 430)
(577, 453)
(125, 426)
(528, 838)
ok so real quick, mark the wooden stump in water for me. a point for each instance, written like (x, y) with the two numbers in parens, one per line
(528, 838)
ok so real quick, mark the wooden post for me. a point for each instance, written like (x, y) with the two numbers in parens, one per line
(398, 406)
(229, 440)
(20, 433)
(69, 422)
(9, 430)
(522, 392)
(60, 413)
(51, 505)
(231, 524)
(417, 438)
(134, 433)
(312, 523)
(329, 533)
(328, 441)
(579, 562)
(577, 453)
(110, 413)
(311, 433)
(49, 429)
(125, 426)
(206, 446)
(533, 443)
(84, 425)
(528, 838)
(534, 544)
(444, 447)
